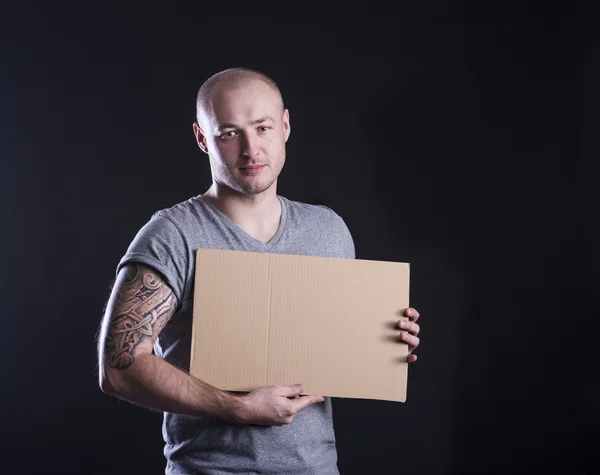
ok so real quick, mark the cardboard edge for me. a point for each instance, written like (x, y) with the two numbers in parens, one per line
(404, 395)
(193, 336)
(401, 397)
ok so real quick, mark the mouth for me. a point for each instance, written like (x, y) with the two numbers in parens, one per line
(252, 170)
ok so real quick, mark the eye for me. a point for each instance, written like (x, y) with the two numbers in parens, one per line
(227, 134)
(263, 128)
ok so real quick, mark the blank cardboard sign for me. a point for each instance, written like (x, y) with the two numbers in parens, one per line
(275, 319)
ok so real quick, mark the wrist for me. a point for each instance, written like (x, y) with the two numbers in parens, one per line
(236, 408)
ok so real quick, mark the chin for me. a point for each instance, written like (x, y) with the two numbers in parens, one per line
(256, 188)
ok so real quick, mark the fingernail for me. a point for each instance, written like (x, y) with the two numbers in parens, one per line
(402, 323)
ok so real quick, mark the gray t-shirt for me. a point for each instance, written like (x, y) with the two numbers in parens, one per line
(204, 445)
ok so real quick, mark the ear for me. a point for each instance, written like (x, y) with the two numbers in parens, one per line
(287, 128)
(200, 138)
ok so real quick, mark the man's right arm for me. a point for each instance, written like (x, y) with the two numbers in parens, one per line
(140, 305)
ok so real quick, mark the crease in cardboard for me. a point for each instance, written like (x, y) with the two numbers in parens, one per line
(269, 280)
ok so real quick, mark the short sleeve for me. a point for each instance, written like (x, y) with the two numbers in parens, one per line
(347, 243)
(160, 245)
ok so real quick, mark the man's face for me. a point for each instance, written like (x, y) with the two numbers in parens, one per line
(244, 131)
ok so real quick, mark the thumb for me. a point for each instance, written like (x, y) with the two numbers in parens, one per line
(306, 401)
(291, 391)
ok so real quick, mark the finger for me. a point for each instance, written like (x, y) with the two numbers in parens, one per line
(411, 327)
(306, 401)
(291, 391)
(412, 314)
(413, 341)
(412, 358)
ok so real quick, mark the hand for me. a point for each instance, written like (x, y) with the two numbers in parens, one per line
(412, 329)
(275, 405)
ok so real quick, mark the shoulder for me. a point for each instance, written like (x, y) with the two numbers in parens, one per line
(320, 222)
(311, 213)
(183, 211)
(184, 216)
(173, 224)
(317, 217)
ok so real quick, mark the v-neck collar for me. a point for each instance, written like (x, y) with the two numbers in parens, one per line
(238, 230)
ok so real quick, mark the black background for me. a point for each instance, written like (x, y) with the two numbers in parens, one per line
(459, 138)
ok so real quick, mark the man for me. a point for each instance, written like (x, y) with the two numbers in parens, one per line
(243, 126)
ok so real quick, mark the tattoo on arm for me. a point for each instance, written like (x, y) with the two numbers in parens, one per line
(144, 305)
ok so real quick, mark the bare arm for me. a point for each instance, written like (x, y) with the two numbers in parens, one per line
(140, 306)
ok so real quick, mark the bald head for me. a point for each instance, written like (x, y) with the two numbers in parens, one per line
(231, 79)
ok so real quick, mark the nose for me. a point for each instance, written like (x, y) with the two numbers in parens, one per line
(250, 146)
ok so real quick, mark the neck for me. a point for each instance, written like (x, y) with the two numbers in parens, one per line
(257, 214)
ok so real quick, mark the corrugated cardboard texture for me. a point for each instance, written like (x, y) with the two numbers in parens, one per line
(271, 319)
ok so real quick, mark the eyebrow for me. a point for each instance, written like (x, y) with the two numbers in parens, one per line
(262, 119)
